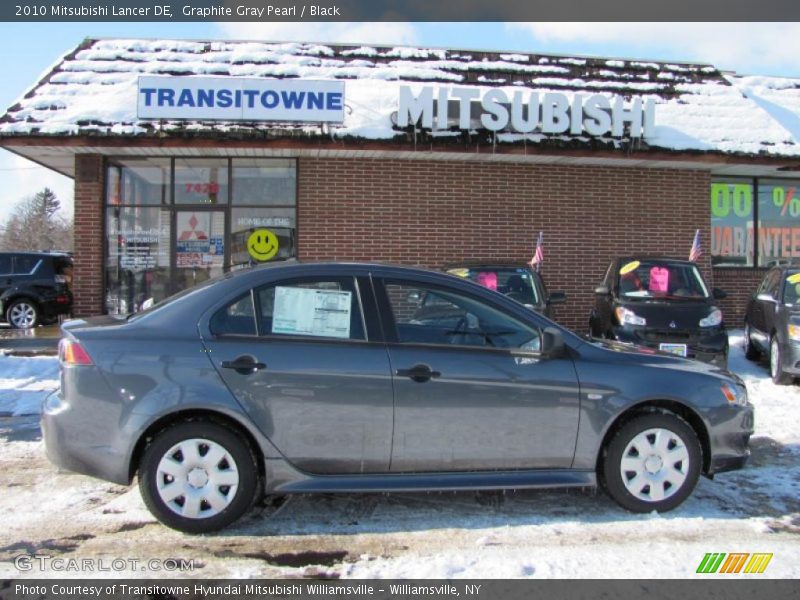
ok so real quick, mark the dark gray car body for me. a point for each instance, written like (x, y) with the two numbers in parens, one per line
(330, 415)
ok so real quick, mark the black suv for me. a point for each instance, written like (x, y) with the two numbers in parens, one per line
(661, 303)
(34, 287)
(772, 322)
(517, 281)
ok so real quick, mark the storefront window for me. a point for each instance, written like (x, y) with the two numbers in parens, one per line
(166, 233)
(732, 223)
(137, 259)
(201, 181)
(245, 222)
(139, 181)
(264, 182)
(778, 220)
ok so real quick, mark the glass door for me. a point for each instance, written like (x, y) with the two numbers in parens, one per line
(199, 246)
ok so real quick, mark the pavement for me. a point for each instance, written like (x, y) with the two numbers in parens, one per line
(25, 342)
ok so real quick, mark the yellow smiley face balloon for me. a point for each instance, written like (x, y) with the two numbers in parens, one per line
(262, 244)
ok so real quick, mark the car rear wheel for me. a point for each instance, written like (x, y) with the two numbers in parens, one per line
(22, 314)
(198, 477)
(750, 351)
(652, 463)
(779, 377)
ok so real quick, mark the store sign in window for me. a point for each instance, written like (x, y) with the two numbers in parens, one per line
(732, 223)
(778, 221)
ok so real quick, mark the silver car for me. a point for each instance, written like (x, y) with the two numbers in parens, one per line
(297, 378)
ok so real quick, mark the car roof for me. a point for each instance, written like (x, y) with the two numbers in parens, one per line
(34, 253)
(666, 259)
(487, 264)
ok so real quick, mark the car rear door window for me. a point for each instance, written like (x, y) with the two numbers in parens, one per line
(24, 265)
(5, 265)
(432, 315)
(237, 318)
(320, 308)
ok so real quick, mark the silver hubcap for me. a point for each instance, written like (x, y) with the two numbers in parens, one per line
(774, 358)
(22, 315)
(655, 465)
(197, 478)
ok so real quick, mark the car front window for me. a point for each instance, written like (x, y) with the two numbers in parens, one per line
(649, 279)
(791, 290)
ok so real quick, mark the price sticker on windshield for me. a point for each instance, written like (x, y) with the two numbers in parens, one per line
(631, 266)
(793, 278)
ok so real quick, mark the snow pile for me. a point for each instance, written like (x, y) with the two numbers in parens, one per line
(25, 382)
(94, 90)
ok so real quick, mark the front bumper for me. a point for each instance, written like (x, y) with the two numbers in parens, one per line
(711, 347)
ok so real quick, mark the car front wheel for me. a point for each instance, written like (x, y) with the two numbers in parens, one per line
(779, 377)
(652, 463)
(22, 314)
(198, 477)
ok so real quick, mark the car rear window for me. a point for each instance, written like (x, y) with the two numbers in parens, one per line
(238, 318)
(516, 283)
(24, 265)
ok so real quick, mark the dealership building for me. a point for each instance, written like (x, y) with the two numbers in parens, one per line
(191, 158)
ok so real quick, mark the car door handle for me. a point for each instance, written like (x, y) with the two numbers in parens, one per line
(243, 364)
(419, 373)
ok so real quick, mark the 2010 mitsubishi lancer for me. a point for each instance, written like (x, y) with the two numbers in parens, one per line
(297, 378)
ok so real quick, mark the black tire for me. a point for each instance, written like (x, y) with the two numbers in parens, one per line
(246, 465)
(750, 351)
(776, 372)
(22, 306)
(611, 470)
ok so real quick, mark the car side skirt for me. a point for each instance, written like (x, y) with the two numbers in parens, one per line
(285, 480)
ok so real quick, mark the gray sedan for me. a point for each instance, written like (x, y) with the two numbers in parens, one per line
(298, 378)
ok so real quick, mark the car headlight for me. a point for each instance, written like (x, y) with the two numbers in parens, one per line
(734, 394)
(715, 318)
(626, 316)
(794, 332)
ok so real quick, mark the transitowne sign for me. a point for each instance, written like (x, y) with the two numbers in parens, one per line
(240, 99)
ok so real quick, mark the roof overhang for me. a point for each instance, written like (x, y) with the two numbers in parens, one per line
(58, 153)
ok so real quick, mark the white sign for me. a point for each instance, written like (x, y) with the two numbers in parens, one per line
(238, 99)
(302, 311)
(526, 112)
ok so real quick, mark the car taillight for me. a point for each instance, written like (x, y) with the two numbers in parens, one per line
(71, 352)
(62, 299)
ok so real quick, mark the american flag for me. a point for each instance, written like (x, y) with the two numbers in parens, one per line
(697, 249)
(538, 256)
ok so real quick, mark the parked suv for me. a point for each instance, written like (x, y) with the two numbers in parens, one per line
(34, 287)
(661, 303)
(518, 282)
(772, 322)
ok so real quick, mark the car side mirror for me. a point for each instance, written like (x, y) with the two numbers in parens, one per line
(602, 290)
(552, 343)
(719, 294)
(765, 298)
(557, 298)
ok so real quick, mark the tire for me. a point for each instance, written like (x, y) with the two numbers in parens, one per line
(198, 505)
(779, 377)
(646, 443)
(23, 314)
(750, 351)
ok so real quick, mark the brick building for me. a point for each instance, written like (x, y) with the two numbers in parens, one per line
(181, 150)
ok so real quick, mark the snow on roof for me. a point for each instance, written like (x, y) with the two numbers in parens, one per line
(93, 91)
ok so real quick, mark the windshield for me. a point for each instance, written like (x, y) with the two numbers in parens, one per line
(791, 291)
(515, 282)
(649, 279)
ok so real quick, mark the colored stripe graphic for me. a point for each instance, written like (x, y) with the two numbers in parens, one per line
(711, 562)
(758, 563)
(734, 562)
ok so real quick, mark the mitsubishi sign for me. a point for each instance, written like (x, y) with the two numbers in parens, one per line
(525, 112)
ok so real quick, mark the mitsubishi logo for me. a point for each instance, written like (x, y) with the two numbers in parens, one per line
(673, 325)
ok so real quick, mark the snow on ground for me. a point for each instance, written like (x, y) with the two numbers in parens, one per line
(25, 382)
(516, 534)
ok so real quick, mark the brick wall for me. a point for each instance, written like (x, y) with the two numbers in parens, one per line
(740, 284)
(432, 213)
(87, 285)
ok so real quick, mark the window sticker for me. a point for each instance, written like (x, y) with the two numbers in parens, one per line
(631, 266)
(795, 278)
(659, 279)
(302, 311)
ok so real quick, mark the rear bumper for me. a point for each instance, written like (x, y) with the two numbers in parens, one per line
(730, 438)
(790, 356)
